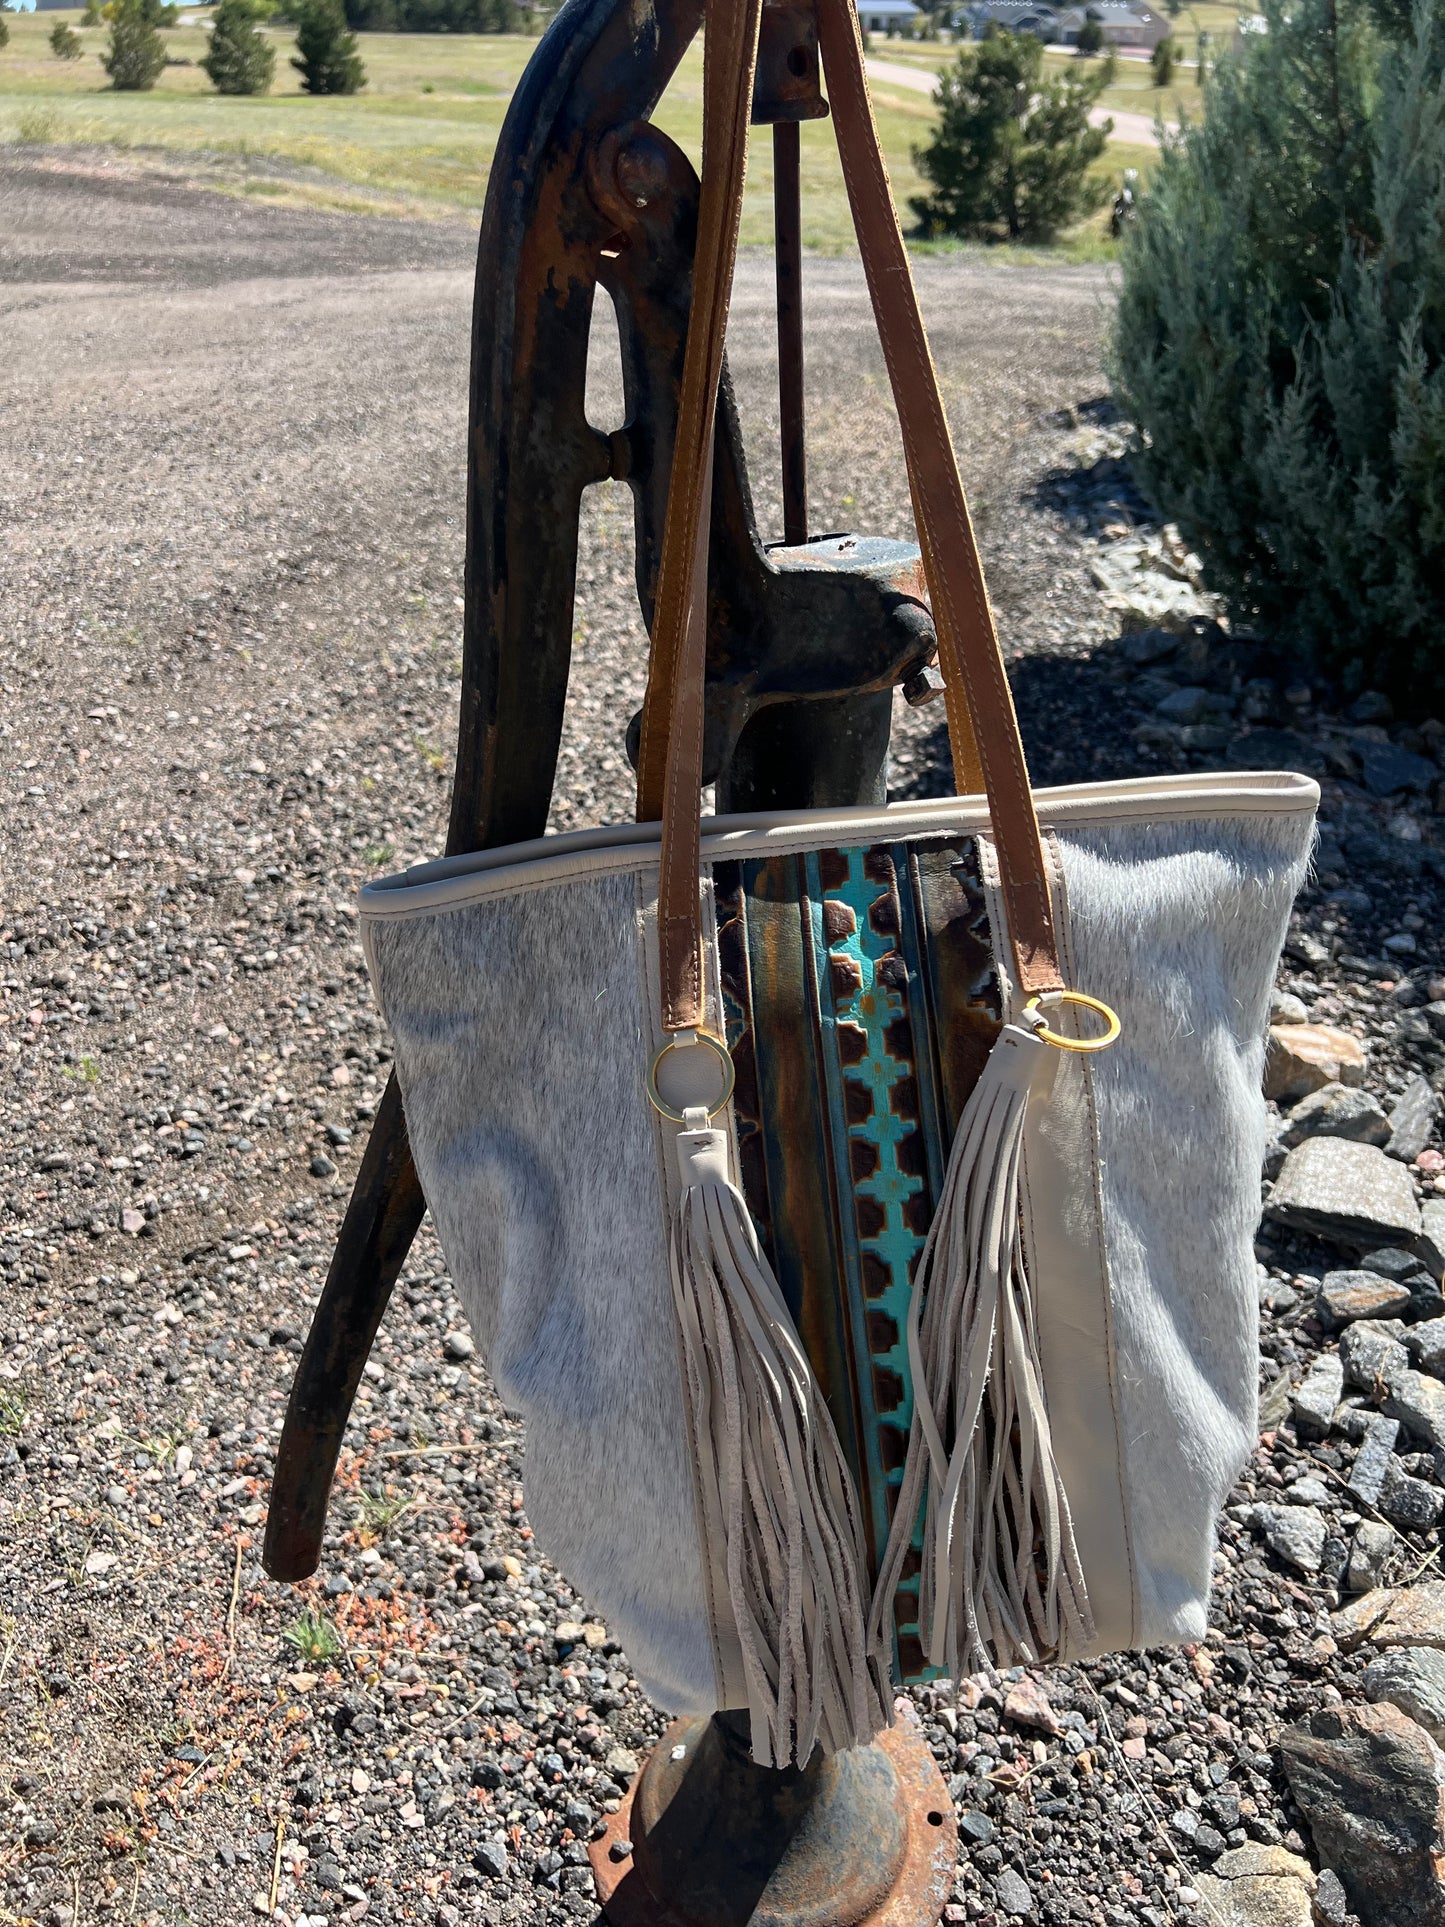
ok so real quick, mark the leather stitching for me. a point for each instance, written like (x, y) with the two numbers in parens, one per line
(679, 681)
(1024, 870)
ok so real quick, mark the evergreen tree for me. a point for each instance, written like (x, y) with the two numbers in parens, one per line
(240, 60)
(1012, 149)
(1280, 338)
(137, 52)
(327, 61)
(1091, 35)
(65, 42)
(4, 30)
(1163, 60)
(92, 15)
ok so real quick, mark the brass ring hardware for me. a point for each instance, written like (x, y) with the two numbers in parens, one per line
(724, 1057)
(1034, 1008)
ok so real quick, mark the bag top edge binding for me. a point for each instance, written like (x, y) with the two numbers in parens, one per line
(451, 881)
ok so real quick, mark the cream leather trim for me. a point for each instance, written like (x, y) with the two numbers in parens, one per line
(453, 881)
(1064, 1251)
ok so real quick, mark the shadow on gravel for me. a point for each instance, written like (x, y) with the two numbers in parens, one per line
(1091, 718)
(1153, 703)
(1095, 492)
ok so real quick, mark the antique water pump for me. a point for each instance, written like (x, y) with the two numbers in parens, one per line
(807, 640)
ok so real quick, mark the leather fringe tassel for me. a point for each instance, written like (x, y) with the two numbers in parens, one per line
(1001, 1583)
(775, 1488)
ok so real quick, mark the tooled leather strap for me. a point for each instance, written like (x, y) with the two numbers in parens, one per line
(979, 702)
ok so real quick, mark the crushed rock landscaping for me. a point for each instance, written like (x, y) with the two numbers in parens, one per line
(229, 635)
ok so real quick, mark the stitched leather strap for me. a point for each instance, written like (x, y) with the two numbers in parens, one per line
(983, 728)
(669, 760)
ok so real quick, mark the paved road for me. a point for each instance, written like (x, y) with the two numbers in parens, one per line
(1136, 129)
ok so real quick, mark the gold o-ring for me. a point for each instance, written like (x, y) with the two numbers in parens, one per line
(1035, 1005)
(724, 1056)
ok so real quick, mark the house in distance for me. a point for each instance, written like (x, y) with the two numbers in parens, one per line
(887, 16)
(1127, 24)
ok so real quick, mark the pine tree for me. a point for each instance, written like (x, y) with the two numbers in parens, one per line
(4, 30)
(137, 52)
(327, 62)
(65, 42)
(240, 60)
(1012, 149)
(1163, 59)
(1280, 338)
(1090, 39)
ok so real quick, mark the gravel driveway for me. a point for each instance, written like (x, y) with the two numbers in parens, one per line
(230, 561)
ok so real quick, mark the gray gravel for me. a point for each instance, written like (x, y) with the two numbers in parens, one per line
(230, 494)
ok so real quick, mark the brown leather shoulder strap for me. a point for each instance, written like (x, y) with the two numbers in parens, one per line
(979, 703)
(968, 645)
(669, 762)
(729, 54)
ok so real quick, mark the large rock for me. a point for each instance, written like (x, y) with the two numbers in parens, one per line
(1418, 1401)
(1296, 1533)
(1405, 1267)
(1416, 1617)
(1371, 1784)
(1348, 1295)
(1373, 1355)
(1142, 580)
(1187, 705)
(1412, 1120)
(1412, 1504)
(1273, 749)
(1431, 1242)
(1386, 769)
(1305, 1057)
(1426, 1346)
(1314, 1403)
(1336, 1110)
(1412, 1678)
(1372, 1545)
(1349, 1193)
(1373, 1460)
(1408, 1268)
(1411, 1616)
(1353, 1624)
(1257, 1887)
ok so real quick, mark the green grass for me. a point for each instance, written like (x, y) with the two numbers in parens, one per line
(393, 137)
(379, 1511)
(422, 134)
(314, 1638)
(424, 128)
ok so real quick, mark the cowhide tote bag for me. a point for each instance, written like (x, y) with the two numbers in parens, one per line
(857, 1204)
